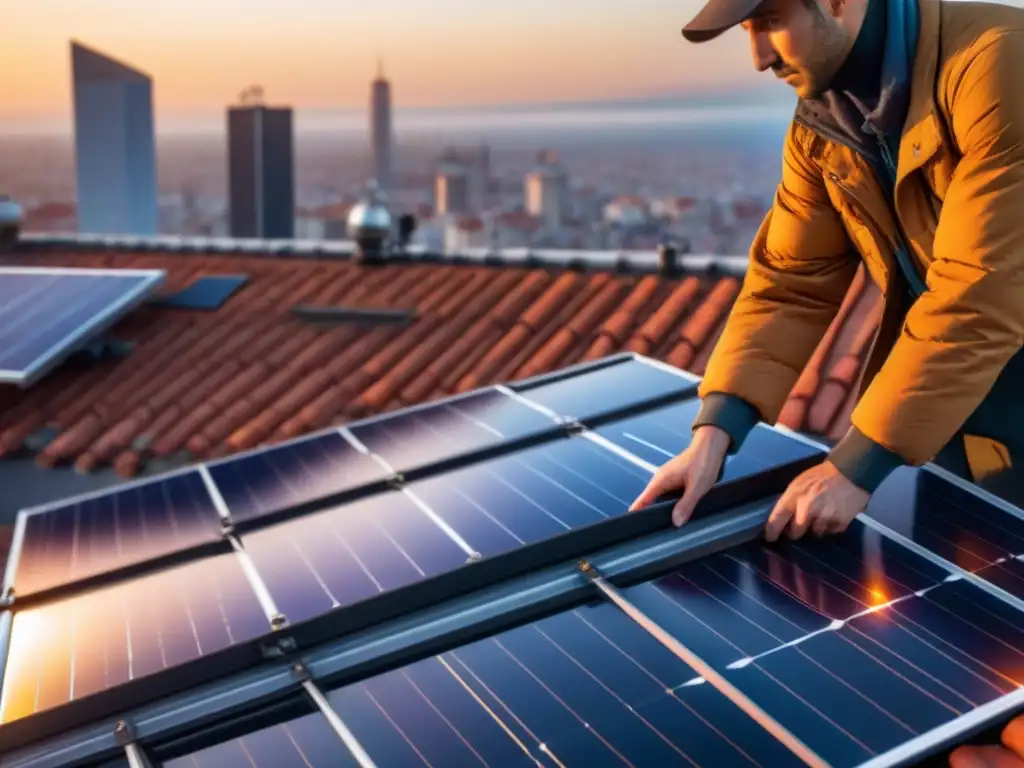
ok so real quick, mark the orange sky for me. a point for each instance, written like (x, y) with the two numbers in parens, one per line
(321, 53)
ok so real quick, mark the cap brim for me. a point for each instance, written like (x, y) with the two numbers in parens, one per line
(716, 17)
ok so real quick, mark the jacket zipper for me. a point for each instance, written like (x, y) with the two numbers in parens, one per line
(915, 284)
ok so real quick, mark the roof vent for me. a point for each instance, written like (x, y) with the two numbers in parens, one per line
(11, 218)
(369, 225)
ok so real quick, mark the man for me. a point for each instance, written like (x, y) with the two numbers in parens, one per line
(906, 153)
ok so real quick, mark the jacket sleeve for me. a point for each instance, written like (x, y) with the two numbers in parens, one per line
(800, 268)
(965, 327)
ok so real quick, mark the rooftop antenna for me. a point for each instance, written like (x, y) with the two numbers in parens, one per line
(251, 96)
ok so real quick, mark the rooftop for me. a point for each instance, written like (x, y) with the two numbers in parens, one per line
(202, 384)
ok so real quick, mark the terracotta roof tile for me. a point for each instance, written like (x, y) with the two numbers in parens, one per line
(252, 372)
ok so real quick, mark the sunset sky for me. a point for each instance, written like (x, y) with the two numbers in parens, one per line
(319, 54)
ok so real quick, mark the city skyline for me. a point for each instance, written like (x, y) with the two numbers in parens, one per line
(311, 54)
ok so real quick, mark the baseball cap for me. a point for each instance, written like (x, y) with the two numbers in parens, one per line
(716, 17)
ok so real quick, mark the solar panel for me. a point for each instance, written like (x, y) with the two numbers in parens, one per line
(92, 535)
(984, 536)
(609, 391)
(45, 312)
(208, 293)
(429, 435)
(292, 475)
(446, 586)
(96, 640)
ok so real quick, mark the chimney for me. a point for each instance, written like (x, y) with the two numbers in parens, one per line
(668, 264)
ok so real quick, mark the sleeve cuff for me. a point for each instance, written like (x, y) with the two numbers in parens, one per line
(732, 414)
(862, 461)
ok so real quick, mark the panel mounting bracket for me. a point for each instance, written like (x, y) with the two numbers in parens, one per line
(279, 648)
(7, 598)
(588, 570)
(123, 734)
(396, 481)
(573, 426)
(227, 527)
(301, 672)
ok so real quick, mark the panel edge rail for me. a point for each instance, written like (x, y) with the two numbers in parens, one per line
(782, 734)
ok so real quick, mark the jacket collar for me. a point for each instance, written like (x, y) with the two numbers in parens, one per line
(923, 133)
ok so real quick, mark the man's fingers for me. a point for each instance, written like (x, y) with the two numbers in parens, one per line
(684, 507)
(1013, 736)
(779, 517)
(801, 520)
(649, 494)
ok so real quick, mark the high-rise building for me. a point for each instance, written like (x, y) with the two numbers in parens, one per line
(115, 148)
(381, 133)
(452, 188)
(547, 190)
(261, 169)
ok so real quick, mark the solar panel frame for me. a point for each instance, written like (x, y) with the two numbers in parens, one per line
(150, 279)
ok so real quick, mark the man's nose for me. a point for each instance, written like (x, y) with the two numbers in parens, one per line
(761, 50)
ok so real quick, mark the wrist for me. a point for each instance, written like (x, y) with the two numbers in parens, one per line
(711, 438)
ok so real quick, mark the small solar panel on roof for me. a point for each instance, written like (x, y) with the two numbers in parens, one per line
(46, 312)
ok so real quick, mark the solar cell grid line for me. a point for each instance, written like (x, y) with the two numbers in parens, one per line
(139, 524)
(92, 642)
(46, 311)
(582, 687)
(294, 476)
(470, 423)
(611, 391)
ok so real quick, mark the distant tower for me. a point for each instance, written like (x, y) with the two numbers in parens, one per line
(261, 169)
(380, 128)
(547, 190)
(115, 148)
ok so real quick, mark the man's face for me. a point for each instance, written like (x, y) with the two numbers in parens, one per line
(802, 42)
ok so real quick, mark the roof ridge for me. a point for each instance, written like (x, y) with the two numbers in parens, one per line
(645, 261)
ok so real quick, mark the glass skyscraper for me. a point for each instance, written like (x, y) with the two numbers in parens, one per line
(115, 149)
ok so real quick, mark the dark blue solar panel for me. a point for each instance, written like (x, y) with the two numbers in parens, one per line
(306, 742)
(209, 292)
(534, 494)
(949, 521)
(102, 533)
(751, 599)
(609, 389)
(428, 435)
(96, 640)
(346, 554)
(885, 677)
(587, 687)
(658, 435)
(44, 313)
(292, 474)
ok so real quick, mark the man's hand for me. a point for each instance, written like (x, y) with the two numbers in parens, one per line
(1008, 755)
(821, 499)
(693, 471)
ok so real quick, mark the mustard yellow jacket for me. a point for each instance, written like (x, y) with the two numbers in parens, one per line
(959, 207)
